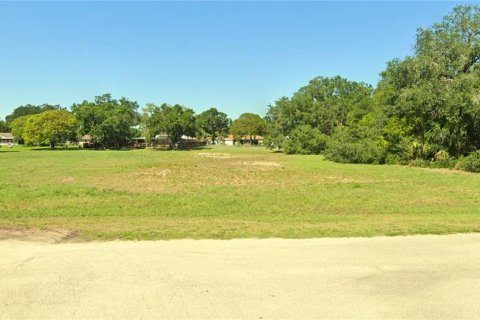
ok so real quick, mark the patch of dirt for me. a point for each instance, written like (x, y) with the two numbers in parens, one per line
(215, 155)
(339, 179)
(183, 177)
(148, 180)
(156, 172)
(259, 163)
(36, 235)
(67, 180)
(447, 171)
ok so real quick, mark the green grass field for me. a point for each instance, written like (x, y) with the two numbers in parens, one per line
(225, 193)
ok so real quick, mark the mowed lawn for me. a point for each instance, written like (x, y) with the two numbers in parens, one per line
(224, 193)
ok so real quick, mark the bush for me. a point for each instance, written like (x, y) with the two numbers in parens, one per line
(392, 159)
(305, 140)
(442, 159)
(191, 144)
(346, 148)
(422, 163)
(363, 151)
(470, 163)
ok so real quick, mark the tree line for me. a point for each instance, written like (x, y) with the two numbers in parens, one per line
(425, 110)
(112, 123)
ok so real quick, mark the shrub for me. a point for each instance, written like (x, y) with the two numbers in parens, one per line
(470, 163)
(391, 159)
(191, 144)
(344, 147)
(362, 151)
(305, 140)
(442, 159)
(422, 163)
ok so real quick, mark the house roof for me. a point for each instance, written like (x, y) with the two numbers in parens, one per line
(6, 135)
(161, 136)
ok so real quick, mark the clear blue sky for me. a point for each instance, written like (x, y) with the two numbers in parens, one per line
(238, 57)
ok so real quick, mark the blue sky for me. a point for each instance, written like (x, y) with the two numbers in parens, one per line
(238, 57)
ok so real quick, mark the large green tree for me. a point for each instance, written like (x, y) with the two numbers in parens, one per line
(213, 122)
(109, 121)
(323, 104)
(30, 109)
(248, 124)
(49, 127)
(434, 92)
(18, 126)
(175, 121)
(425, 105)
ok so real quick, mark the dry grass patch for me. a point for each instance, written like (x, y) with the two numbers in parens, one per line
(447, 171)
(215, 155)
(33, 234)
(198, 172)
(258, 164)
(67, 180)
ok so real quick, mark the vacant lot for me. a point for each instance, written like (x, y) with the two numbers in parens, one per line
(227, 193)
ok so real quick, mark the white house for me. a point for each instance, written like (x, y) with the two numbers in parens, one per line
(229, 140)
(6, 139)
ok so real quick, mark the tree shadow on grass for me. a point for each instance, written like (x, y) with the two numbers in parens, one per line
(114, 149)
(56, 149)
(77, 149)
(185, 149)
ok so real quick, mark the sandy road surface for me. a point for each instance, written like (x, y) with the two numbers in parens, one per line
(402, 277)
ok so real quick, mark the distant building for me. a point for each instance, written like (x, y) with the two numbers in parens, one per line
(161, 140)
(86, 142)
(139, 142)
(255, 139)
(6, 139)
(229, 140)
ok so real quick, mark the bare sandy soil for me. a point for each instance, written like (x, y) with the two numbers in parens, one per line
(383, 278)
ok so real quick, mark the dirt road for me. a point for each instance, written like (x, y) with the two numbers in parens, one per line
(402, 277)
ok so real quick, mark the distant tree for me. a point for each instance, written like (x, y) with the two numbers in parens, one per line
(280, 121)
(18, 125)
(323, 104)
(108, 121)
(30, 109)
(175, 121)
(145, 127)
(3, 126)
(213, 122)
(49, 127)
(248, 124)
